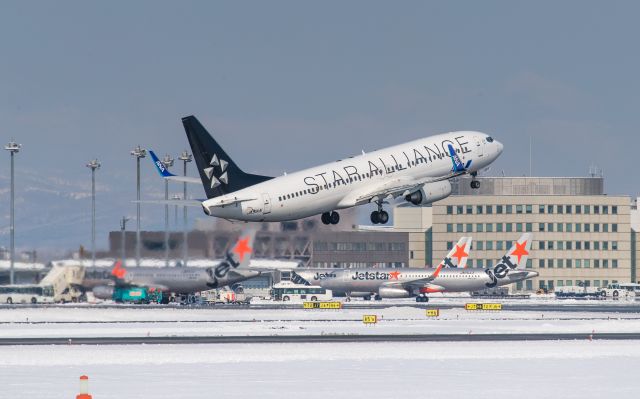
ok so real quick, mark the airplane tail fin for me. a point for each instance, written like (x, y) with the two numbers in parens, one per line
(518, 254)
(457, 256)
(118, 271)
(219, 173)
(242, 251)
(164, 172)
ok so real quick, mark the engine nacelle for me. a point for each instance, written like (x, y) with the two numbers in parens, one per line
(430, 192)
(388, 292)
(103, 292)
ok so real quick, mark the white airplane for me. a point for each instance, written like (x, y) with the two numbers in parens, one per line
(418, 171)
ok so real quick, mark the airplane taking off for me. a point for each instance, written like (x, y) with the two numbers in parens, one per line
(381, 282)
(233, 268)
(405, 283)
(418, 171)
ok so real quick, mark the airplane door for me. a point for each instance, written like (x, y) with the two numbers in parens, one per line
(479, 146)
(266, 203)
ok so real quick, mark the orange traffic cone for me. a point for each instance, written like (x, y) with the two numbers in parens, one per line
(84, 388)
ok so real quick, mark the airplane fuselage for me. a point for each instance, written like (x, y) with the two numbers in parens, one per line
(342, 184)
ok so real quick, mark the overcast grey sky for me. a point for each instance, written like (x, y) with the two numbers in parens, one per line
(288, 84)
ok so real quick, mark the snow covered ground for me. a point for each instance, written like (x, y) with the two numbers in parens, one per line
(547, 369)
(148, 321)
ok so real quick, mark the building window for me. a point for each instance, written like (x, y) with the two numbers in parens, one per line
(499, 227)
(578, 209)
(459, 209)
(541, 245)
(614, 209)
(569, 245)
(480, 245)
(578, 263)
(586, 263)
(540, 208)
(509, 227)
(559, 263)
(560, 245)
(614, 245)
(489, 209)
(469, 227)
(614, 263)
(596, 209)
(479, 227)
(529, 285)
(479, 209)
(518, 227)
(489, 245)
(596, 263)
(596, 227)
(499, 209)
(614, 227)
(541, 263)
(567, 209)
(578, 227)
(509, 209)
(518, 208)
(449, 210)
(560, 283)
(569, 263)
(549, 208)
(559, 227)
(449, 245)
(559, 208)
(529, 264)
(499, 246)
(587, 209)
(596, 245)
(569, 228)
(540, 226)
(550, 227)
(469, 209)
(549, 245)
(605, 227)
(587, 227)
(605, 209)
(578, 244)
(529, 208)
(587, 245)
(480, 263)
(550, 263)
(605, 245)
(605, 263)
(489, 227)
(459, 228)
(449, 227)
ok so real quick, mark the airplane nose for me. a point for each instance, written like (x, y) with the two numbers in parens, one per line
(499, 146)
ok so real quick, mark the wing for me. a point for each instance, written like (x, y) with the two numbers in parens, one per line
(196, 203)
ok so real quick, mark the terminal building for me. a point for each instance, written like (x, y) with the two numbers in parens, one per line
(581, 235)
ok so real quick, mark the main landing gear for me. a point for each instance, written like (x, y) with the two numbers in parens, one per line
(475, 184)
(422, 298)
(379, 216)
(330, 217)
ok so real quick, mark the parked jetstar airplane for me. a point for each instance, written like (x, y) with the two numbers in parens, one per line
(418, 171)
(232, 269)
(407, 283)
(381, 282)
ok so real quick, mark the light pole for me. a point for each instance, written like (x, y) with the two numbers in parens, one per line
(186, 158)
(167, 161)
(138, 153)
(123, 228)
(13, 148)
(93, 165)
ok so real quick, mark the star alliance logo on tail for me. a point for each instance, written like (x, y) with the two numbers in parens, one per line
(222, 177)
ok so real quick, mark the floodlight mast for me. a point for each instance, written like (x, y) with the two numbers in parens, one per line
(93, 165)
(139, 153)
(167, 161)
(13, 149)
(186, 158)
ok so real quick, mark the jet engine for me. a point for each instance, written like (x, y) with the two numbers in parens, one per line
(388, 292)
(430, 192)
(103, 291)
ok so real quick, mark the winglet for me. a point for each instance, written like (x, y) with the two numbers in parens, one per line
(458, 166)
(164, 172)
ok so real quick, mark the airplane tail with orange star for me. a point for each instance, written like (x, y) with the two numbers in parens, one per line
(241, 252)
(519, 252)
(457, 256)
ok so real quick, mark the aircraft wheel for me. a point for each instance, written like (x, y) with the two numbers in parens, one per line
(34, 300)
(9, 300)
(375, 217)
(367, 297)
(326, 218)
(383, 217)
(314, 299)
(475, 184)
(335, 218)
(285, 298)
(378, 298)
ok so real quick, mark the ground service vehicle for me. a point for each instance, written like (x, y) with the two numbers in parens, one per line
(288, 291)
(26, 293)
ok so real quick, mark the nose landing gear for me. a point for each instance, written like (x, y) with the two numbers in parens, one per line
(475, 184)
(422, 298)
(330, 217)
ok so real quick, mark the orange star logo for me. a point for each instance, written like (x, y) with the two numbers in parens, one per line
(520, 250)
(460, 253)
(118, 271)
(394, 275)
(242, 248)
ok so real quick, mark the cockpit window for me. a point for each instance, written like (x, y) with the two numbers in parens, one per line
(489, 139)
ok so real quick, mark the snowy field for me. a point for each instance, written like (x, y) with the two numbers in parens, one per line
(547, 369)
(149, 321)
